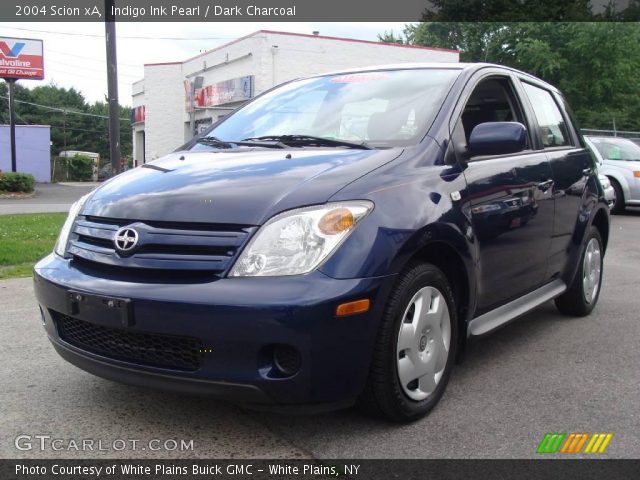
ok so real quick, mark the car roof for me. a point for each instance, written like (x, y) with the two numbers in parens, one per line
(463, 67)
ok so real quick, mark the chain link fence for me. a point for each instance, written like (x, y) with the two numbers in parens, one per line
(83, 168)
(633, 136)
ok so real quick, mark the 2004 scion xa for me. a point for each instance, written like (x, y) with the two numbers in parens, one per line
(335, 241)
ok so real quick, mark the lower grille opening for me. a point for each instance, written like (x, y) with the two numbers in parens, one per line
(151, 349)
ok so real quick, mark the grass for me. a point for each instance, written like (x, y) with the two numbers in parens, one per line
(25, 239)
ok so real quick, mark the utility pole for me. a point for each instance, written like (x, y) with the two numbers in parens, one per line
(64, 141)
(12, 123)
(112, 86)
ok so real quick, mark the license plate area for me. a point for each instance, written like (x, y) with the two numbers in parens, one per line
(99, 309)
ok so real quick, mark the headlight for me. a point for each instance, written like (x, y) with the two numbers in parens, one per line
(297, 241)
(63, 237)
(604, 181)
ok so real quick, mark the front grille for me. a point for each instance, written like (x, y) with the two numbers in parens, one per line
(152, 349)
(161, 245)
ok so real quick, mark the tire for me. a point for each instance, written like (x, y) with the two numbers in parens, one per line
(619, 203)
(579, 300)
(385, 394)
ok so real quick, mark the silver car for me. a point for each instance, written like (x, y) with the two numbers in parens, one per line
(609, 192)
(619, 160)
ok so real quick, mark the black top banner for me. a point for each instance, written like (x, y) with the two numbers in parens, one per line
(319, 11)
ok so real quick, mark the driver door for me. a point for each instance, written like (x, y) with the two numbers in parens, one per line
(509, 199)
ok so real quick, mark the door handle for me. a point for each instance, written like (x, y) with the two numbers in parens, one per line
(545, 185)
(587, 172)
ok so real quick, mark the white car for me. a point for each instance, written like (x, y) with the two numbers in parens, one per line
(609, 192)
(619, 160)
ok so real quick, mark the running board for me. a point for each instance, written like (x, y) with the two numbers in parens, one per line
(501, 315)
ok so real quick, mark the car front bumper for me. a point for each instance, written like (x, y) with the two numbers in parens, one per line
(237, 321)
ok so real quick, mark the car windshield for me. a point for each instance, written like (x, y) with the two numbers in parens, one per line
(375, 109)
(617, 148)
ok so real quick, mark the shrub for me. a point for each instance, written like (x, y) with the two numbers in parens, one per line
(16, 182)
(80, 168)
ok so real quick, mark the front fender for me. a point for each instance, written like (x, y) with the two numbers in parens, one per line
(413, 206)
(414, 215)
(620, 178)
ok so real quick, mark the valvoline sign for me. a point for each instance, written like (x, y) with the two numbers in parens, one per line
(21, 58)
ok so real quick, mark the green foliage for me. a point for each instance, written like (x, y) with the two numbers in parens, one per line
(16, 182)
(80, 168)
(507, 10)
(390, 37)
(595, 64)
(69, 130)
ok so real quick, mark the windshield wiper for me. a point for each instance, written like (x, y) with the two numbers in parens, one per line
(307, 140)
(216, 142)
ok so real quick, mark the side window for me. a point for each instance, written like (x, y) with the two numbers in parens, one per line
(492, 100)
(553, 129)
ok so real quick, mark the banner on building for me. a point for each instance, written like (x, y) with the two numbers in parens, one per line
(137, 114)
(230, 91)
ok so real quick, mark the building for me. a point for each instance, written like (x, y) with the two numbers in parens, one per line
(33, 150)
(176, 100)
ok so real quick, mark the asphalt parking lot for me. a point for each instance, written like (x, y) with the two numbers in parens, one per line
(48, 197)
(543, 373)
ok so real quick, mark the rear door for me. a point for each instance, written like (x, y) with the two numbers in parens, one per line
(571, 165)
(508, 198)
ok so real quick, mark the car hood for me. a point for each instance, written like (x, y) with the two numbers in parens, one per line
(244, 186)
(621, 164)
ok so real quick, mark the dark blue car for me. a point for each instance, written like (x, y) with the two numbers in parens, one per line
(335, 241)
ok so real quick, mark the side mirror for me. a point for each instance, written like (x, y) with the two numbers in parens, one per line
(497, 138)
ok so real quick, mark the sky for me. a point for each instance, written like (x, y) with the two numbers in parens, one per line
(74, 53)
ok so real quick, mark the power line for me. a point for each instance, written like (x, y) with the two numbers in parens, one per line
(104, 132)
(55, 69)
(20, 117)
(79, 128)
(64, 127)
(64, 110)
(129, 37)
(83, 57)
(85, 69)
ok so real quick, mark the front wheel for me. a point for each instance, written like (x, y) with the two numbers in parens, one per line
(415, 346)
(583, 293)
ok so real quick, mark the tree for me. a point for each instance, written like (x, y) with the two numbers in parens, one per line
(508, 11)
(390, 37)
(75, 124)
(595, 64)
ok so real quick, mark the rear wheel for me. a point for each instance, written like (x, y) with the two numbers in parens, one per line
(415, 346)
(583, 294)
(618, 203)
